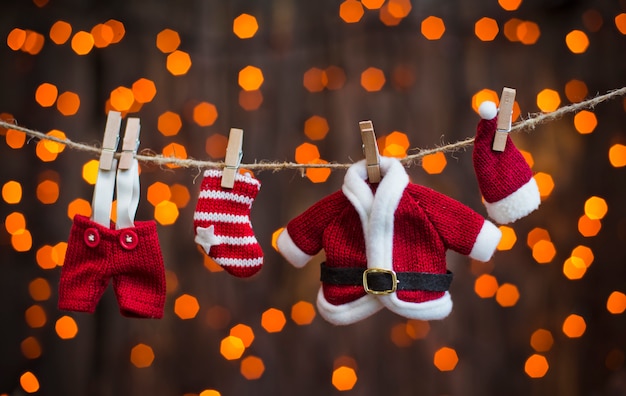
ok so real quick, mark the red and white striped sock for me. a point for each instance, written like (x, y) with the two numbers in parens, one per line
(222, 223)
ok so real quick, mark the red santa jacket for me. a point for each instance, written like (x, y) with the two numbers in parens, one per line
(396, 227)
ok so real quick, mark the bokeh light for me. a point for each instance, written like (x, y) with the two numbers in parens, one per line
(433, 28)
(577, 41)
(541, 340)
(508, 238)
(186, 307)
(548, 100)
(82, 43)
(617, 155)
(46, 94)
(250, 78)
(585, 122)
(244, 333)
(167, 41)
(536, 366)
(372, 79)
(316, 127)
(507, 295)
(141, 355)
(29, 382)
(232, 348)
(66, 327)
(178, 63)
(445, 359)
(204, 114)
(31, 348)
(252, 367)
(351, 11)
(273, 320)
(596, 208)
(486, 286)
(245, 26)
(486, 29)
(509, 5)
(616, 303)
(303, 313)
(344, 378)
(435, 163)
(574, 326)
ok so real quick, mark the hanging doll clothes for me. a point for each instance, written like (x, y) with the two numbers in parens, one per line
(386, 244)
(127, 252)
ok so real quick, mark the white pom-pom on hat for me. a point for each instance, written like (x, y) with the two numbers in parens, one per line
(487, 110)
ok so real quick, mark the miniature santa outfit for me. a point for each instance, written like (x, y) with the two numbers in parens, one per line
(386, 245)
(222, 223)
(128, 253)
(504, 178)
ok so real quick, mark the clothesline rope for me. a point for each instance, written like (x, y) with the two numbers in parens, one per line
(158, 159)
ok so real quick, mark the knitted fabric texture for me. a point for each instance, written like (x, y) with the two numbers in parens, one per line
(222, 223)
(398, 226)
(131, 257)
(504, 178)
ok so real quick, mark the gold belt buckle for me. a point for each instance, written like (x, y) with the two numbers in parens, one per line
(394, 281)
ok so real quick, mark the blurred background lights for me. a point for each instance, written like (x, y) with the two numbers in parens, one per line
(596, 208)
(178, 63)
(12, 192)
(372, 79)
(482, 96)
(508, 238)
(35, 316)
(528, 32)
(316, 127)
(589, 227)
(144, 90)
(252, 367)
(122, 98)
(66, 327)
(620, 23)
(314, 79)
(617, 155)
(204, 114)
(15, 223)
(275, 235)
(507, 295)
(141, 355)
(209, 392)
(102, 35)
(576, 90)
(445, 359)
(486, 29)
(318, 175)
(250, 78)
(536, 366)
(543, 251)
(215, 146)
(344, 378)
(118, 30)
(541, 340)
(47, 192)
(351, 11)
(306, 153)
(186, 307)
(169, 123)
(244, 333)
(29, 382)
(174, 150)
(273, 320)
(90, 171)
(232, 347)
(395, 144)
(166, 213)
(68, 103)
(545, 184)
(31, 348)
(435, 163)
(78, 206)
(548, 100)
(15, 139)
(167, 41)
(158, 192)
(574, 268)
(616, 303)
(46, 94)
(509, 5)
(486, 286)
(432, 28)
(302, 313)
(82, 42)
(585, 122)
(39, 289)
(372, 4)
(574, 326)
(577, 41)
(250, 100)
(245, 26)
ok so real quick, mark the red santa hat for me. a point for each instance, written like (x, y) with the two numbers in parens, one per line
(504, 178)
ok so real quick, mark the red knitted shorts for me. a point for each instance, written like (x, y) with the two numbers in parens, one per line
(130, 256)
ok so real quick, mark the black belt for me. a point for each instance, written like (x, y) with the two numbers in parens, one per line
(384, 281)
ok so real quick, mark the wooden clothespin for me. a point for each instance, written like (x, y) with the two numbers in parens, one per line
(370, 147)
(234, 153)
(111, 139)
(130, 143)
(505, 114)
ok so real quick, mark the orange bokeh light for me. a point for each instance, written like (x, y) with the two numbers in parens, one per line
(372, 79)
(548, 100)
(510, 5)
(82, 42)
(250, 78)
(528, 32)
(596, 208)
(314, 79)
(344, 378)
(48, 192)
(29, 382)
(545, 184)
(215, 146)
(486, 29)
(250, 100)
(433, 28)
(204, 114)
(46, 94)
(66, 328)
(318, 175)
(15, 139)
(232, 347)
(186, 307)
(122, 98)
(16, 39)
(141, 356)
(306, 153)
(166, 213)
(617, 155)
(620, 22)
(435, 163)
(576, 91)
(574, 326)
(244, 333)
(167, 41)
(273, 320)
(316, 127)
(252, 367)
(169, 123)
(303, 313)
(589, 227)
(508, 238)
(544, 251)
(616, 303)
(445, 359)
(68, 103)
(12, 192)
(541, 340)
(577, 41)
(574, 268)
(486, 286)
(351, 11)
(507, 295)
(536, 366)
(144, 90)
(78, 206)
(44, 257)
(585, 122)
(31, 349)
(178, 63)
(102, 35)
(245, 26)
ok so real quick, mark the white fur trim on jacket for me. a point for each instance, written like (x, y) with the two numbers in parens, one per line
(290, 251)
(348, 313)
(486, 242)
(517, 205)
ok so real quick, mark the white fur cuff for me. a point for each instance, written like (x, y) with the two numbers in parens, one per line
(348, 313)
(290, 251)
(486, 242)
